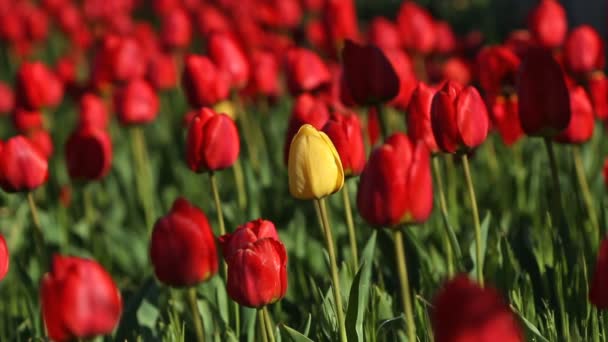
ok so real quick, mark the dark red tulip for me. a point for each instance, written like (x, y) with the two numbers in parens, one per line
(505, 115)
(93, 112)
(407, 77)
(4, 258)
(25, 120)
(182, 246)
(417, 28)
(42, 140)
(37, 86)
(88, 153)
(162, 71)
(584, 50)
(419, 116)
(459, 118)
(79, 299)
(176, 31)
(204, 84)
(264, 80)
(212, 143)
(548, 23)
(345, 132)
(228, 56)
(396, 184)
(544, 105)
(257, 264)
(598, 92)
(7, 99)
(597, 289)
(368, 74)
(136, 103)
(384, 34)
(445, 39)
(464, 311)
(497, 66)
(519, 41)
(306, 110)
(582, 121)
(340, 20)
(305, 71)
(23, 167)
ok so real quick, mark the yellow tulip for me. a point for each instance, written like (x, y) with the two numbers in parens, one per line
(314, 166)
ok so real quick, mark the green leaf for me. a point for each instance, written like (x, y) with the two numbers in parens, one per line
(533, 329)
(294, 335)
(147, 314)
(485, 225)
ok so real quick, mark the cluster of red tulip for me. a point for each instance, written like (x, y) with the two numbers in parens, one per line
(545, 81)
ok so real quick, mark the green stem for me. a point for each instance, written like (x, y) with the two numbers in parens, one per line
(405, 284)
(352, 237)
(262, 325)
(382, 120)
(89, 208)
(335, 279)
(218, 203)
(196, 316)
(38, 236)
(478, 256)
(269, 329)
(554, 171)
(143, 178)
(587, 198)
(237, 169)
(452, 243)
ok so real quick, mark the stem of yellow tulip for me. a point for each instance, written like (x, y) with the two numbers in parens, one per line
(196, 316)
(262, 325)
(554, 172)
(582, 180)
(352, 237)
(143, 179)
(451, 244)
(478, 256)
(382, 120)
(38, 236)
(269, 329)
(239, 179)
(405, 283)
(218, 203)
(335, 279)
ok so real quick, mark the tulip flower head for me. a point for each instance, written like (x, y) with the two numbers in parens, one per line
(419, 116)
(582, 121)
(597, 87)
(548, 23)
(228, 56)
(4, 257)
(88, 153)
(23, 166)
(314, 166)
(417, 28)
(307, 109)
(37, 86)
(204, 83)
(345, 132)
(93, 112)
(136, 103)
(584, 50)
(305, 71)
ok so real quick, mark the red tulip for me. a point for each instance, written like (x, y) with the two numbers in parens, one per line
(368, 74)
(505, 116)
(136, 103)
(419, 116)
(279, 13)
(79, 299)
(340, 20)
(23, 167)
(582, 122)
(228, 56)
(176, 29)
(456, 69)
(598, 92)
(121, 59)
(497, 69)
(396, 184)
(210, 19)
(459, 118)
(407, 77)
(37, 86)
(212, 143)
(445, 39)
(182, 246)
(384, 34)
(464, 311)
(88, 153)
(597, 289)
(305, 71)
(93, 112)
(344, 130)
(36, 23)
(204, 84)
(544, 105)
(42, 140)
(4, 257)
(264, 78)
(7, 98)
(519, 41)
(584, 50)
(257, 265)
(162, 71)
(548, 23)
(417, 28)
(25, 121)
(306, 110)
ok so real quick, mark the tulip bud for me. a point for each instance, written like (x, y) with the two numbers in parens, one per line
(120, 59)
(417, 28)
(384, 34)
(464, 311)
(368, 74)
(445, 39)
(136, 103)
(419, 116)
(544, 104)
(584, 50)
(211, 19)
(396, 184)
(4, 258)
(25, 120)
(257, 264)
(456, 69)
(340, 20)
(162, 71)
(306, 110)
(548, 23)
(285, 14)
(497, 68)
(212, 143)
(305, 71)
(176, 29)
(314, 166)
(264, 78)
(407, 77)
(519, 41)
(23, 167)
(582, 121)
(204, 84)
(42, 140)
(88, 153)
(597, 289)
(598, 92)
(182, 247)
(229, 58)
(37, 86)
(344, 130)
(506, 118)
(79, 299)
(459, 118)
(7, 99)
(92, 112)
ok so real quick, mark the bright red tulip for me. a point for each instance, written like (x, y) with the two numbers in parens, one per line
(305, 71)
(182, 246)
(245, 234)
(162, 71)
(505, 115)
(285, 14)
(582, 121)
(464, 311)
(407, 77)
(37, 86)
(42, 140)
(4, 258)
(203, 82)
(264, 80)
(584, 50)
(548, 23)
(417, 28)
(306, 110)
(459, 118)
(121, 59)
(544, 105)
(79, 299)
(419, 116)
(340, 20)
(598, 92)
(345, 132)
(23, 167)
(396, 184)
(384, 34)
(368, 75)
(445, 39)
(225, 52)
(93, 112)
(213, 142)
(176, 31)
(136, 103)
(456, 69)
(25, 120)
(7, 99)
(211, 19)
(88, 153)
